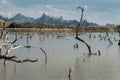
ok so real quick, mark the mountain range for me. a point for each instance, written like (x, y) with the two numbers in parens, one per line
(47, 19)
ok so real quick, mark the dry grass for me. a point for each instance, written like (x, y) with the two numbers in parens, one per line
(82, 29)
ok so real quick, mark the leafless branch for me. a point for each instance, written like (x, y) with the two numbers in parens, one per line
(45, 55)
(14, 58)
(77, 28)
(25, 60)
(14, 40)
(88, 46)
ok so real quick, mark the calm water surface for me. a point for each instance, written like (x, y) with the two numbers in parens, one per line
(59, 47)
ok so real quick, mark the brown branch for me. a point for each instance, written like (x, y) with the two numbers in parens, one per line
(5, 33)
(45, 55)
(88, 46)
(25, 60)
(69, 74)
(7, 57)
(13, 58)
(3, 29)
(77, 28)
(99, 53)
(2, 32)
(14, 40)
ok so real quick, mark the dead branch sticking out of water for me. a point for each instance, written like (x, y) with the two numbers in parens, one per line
(77, 28)
(88, 46)
(69, 74)
(46, 58)
(10, 46)
(99, 53)
(76, 46)
(14, 58)
(119, 43)
(2, 31)
(25, 60)
(110, 42)
(28, 46)
(96, 54)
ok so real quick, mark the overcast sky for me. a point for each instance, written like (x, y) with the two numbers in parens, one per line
(98, 11)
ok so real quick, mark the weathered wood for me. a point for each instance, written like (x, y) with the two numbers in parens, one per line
(77, 28)
(69, 74)
(10, 46)
(88, 46)
(14, 58)
(46, 58)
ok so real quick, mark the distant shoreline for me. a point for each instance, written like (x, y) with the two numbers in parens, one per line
(68, 29)
(39, 29)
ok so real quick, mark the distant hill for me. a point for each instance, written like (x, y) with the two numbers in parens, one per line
(20, 18)
(48, 19)
(59, 20)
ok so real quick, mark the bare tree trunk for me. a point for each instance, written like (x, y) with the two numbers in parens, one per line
(77, 29)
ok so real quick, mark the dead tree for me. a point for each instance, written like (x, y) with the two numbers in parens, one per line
(77, 30)
(10, 45)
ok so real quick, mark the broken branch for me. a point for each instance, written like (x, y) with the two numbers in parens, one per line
(45, 55)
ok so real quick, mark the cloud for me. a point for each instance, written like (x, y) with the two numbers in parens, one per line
(85, 7)
(109, 16)
(7, 14)
(1, 13)
(50, 7)
(41, 12)
(4, 1)
(7, 4)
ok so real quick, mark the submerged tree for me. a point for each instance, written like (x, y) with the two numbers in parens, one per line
(77, 30)
(8, 46)
(78, 38)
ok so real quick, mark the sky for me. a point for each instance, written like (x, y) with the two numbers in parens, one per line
(97, 11)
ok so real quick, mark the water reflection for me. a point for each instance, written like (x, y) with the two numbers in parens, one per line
(64, 52)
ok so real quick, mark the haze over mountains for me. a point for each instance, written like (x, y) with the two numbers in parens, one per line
(47, 19)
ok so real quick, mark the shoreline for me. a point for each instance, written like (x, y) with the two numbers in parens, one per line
(70, 29)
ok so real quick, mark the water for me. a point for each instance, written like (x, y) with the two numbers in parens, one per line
(59, 47)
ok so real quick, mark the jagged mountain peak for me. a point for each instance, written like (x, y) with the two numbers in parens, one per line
(48, 19)
(19, 15)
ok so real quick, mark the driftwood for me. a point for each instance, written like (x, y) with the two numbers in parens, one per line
(46, 58)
